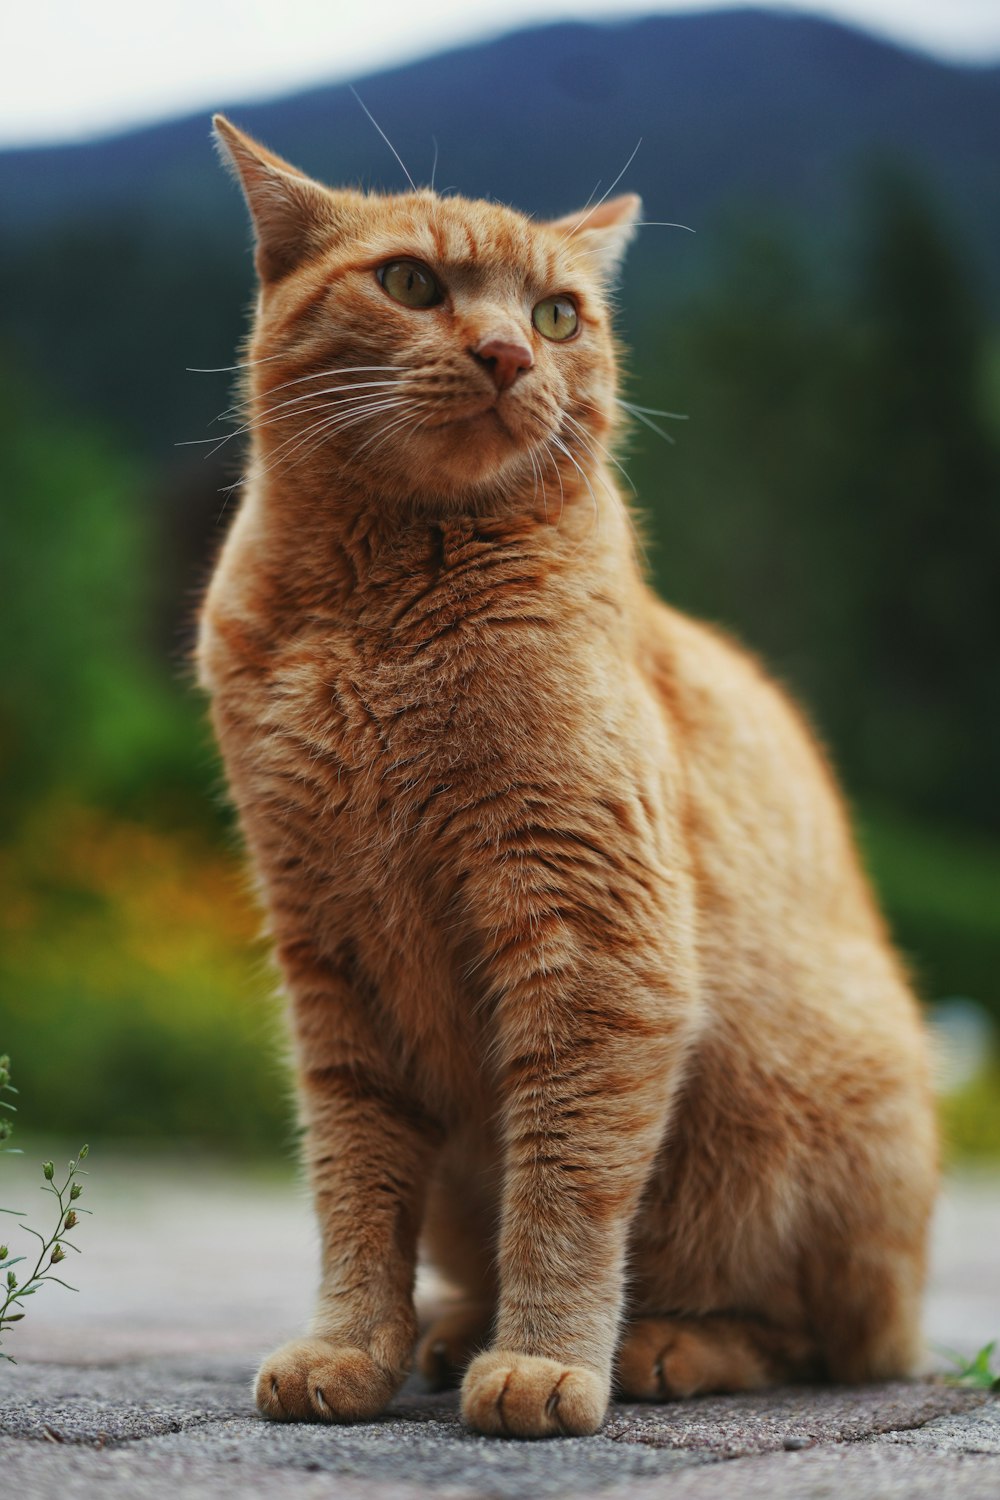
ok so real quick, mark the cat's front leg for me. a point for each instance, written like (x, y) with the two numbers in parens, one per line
(591, 1064)
(369, 1147)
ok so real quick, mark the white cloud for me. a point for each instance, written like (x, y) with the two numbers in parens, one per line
(79, 67)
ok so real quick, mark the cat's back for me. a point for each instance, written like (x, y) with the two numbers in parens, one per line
(770, 841)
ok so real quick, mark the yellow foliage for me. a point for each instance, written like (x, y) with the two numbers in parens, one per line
(135, 981)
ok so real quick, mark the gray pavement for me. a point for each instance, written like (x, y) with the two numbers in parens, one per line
(139, 1386)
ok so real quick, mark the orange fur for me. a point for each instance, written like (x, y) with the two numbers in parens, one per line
(587, 989)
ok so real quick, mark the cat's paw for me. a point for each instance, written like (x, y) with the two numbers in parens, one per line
(450, 1342)
(311, 1380)
(666, 1359)
(522, 1395)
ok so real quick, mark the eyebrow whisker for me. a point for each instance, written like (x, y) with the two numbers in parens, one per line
(382, 133)
(608, 191)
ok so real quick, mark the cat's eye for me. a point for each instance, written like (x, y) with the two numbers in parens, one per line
(409, 282)
(556, 318)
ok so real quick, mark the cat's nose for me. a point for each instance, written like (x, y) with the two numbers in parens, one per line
(504, 359)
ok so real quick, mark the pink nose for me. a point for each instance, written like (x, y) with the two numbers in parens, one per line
(504, 360)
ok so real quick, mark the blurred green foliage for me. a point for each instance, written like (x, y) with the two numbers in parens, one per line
(86, 708)
(834, 499)
(970, 1118)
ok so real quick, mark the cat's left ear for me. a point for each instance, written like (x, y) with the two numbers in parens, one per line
(605, 231)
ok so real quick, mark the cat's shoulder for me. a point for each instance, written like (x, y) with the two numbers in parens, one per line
(719, 693)
(699, 653)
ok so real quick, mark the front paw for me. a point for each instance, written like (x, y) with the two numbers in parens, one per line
(312, 1380)
(522, 1395)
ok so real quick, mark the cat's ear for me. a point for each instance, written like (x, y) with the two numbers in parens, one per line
(605, 231)
(293, 216)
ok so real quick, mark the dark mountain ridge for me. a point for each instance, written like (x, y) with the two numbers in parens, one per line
(755, 115)
(744, 105)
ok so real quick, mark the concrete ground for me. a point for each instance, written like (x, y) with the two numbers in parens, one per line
(139, 1387)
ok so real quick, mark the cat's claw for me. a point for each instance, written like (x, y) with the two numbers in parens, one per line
(523, 1395)
(312, 1380)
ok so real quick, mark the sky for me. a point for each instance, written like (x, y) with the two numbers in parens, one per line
(76, 68)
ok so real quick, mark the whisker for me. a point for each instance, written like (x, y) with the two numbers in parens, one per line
(638, 539)
(562, 446)
(382, 133)
(608, 191)
(587, 438)
(677, 416)
(325, 375)
(376, 410)
(598, 471)
(309, 440)
(333, 422)
(593, 190)
(329, 390)
(662, 224)
(336, 418)
(380, 437)
(244, 364)
(268, 416)
(396, 422)
(250, 427)
(562, 492)
(536, 471)
(648, 422)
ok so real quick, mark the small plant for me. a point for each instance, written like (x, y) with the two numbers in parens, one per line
(54, 1247)
(977, 1372)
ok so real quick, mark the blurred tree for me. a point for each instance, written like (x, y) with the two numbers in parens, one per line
(745, 515)
(836, 495)
(85, 709)
(923, 490)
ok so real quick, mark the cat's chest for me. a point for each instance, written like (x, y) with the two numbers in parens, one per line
(468, 692)
(475, 664)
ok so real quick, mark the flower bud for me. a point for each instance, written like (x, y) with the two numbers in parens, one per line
(84, 1152)
(11, 1280)
(57, 1255)
(48, 1171)
(4, 1252)
(70, 1220)
(76, 1190)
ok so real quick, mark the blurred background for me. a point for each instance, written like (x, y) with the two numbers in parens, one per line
(831, 331)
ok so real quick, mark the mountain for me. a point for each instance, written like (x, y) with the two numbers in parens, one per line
(744, 104)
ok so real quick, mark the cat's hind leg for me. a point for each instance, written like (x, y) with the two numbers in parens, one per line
(662, 1359)
(459, 1242)
(865, 1305)
(452, 1339)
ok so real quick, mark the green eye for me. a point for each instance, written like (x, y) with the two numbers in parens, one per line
(556, 318)
(409, 282)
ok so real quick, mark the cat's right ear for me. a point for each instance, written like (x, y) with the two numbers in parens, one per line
(605, 230)
(293, 216)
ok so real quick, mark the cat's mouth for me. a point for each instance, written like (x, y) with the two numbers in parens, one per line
(482, 413)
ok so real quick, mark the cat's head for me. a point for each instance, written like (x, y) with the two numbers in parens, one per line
(441, 346)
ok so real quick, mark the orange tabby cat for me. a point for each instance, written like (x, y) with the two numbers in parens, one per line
(588, 993)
